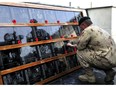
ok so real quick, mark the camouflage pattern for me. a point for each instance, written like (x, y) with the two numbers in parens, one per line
(96, 48)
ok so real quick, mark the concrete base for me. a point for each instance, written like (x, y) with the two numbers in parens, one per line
(72, 79)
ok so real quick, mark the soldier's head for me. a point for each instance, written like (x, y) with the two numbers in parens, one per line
(84, 22)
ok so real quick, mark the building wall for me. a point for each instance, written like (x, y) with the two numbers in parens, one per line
(114, 23)
(101, 17)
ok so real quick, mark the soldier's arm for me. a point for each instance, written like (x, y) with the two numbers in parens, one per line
(83, 40)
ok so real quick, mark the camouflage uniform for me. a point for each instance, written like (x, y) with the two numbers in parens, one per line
(96, 48)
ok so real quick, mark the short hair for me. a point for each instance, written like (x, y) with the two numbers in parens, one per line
(83, 19)
(88, 22)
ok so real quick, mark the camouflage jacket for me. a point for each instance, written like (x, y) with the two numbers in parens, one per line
(98, 42)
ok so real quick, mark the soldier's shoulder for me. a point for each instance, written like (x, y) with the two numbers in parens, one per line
(93, 28)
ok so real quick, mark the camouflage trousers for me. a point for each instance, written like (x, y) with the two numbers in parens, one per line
(88, 58)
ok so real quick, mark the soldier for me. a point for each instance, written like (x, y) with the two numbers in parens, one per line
(95, 49)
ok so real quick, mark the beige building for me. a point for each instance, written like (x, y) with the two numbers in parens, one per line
(104, 17)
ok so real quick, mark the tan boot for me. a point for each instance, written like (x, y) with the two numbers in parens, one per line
(88, 76)
(109, 75)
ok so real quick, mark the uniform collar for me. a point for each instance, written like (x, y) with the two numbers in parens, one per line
(88, 26)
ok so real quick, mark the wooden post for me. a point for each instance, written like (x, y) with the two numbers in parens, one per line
(1, 81)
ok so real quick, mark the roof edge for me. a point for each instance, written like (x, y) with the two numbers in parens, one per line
(101, 7)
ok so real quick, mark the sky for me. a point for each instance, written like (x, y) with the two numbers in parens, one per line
(74, 3)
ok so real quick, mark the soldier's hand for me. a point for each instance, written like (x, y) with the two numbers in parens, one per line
(71, 45)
